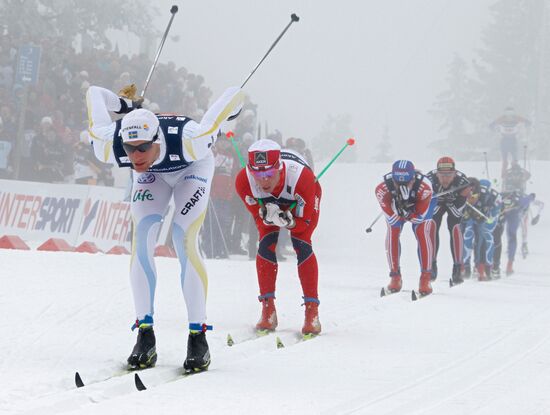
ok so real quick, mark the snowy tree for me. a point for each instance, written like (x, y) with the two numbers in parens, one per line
(512, 69)
(514, 66)
(66, 20)
(384, 147)
(456, 112)
(336, 130)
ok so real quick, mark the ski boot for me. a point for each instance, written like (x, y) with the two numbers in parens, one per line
(425, 287)
(434, 271)
(312, 325)
(495, 273)
(524, 250)
(144, 354)
(481, 273)
(268, 320)
(396, 282)
(456, 277)
(467, 271)
(198, 353)
(510, 268)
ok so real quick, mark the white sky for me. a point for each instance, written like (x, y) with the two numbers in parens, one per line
(382, 61)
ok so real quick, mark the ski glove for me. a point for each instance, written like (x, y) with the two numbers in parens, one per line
(272, 215)
(129, 101)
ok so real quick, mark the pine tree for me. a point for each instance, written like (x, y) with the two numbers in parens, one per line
(384, 147)
(456, 114)
(509, 64)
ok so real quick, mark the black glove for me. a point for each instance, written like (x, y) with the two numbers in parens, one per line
(128, 105)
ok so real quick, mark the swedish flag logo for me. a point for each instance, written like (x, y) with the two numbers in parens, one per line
(132, 135)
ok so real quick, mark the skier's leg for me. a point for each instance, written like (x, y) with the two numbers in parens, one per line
(149, 201)
(191, 202)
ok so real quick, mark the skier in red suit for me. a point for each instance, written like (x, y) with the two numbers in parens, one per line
(405, 195)
(280, 191)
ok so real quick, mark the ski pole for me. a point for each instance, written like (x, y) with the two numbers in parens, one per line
(479, 212)
(230, 135)
(349, 142)
(173, 11)
(369, 229)
(293, 18)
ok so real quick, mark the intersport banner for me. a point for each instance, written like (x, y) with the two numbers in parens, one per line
(75, 213)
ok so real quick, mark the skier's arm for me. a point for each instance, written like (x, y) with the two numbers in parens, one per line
(101, 128)
(424, 198)
(305, 200)
(198, 138)
(384, 198)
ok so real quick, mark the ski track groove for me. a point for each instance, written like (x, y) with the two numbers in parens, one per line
(517, 327)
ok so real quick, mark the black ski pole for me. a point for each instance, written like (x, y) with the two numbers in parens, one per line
(173, 11)
(293, 18)
(369, 229)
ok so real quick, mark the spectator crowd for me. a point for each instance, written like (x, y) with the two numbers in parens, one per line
(54, 145)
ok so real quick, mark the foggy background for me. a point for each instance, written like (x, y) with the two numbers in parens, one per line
(382, 62)
(408, 79)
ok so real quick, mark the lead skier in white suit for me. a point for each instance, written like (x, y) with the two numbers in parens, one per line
(171, 156)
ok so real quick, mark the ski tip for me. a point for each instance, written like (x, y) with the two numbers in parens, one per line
(414, 297)
(139, 384)
(78, 380)
(279, 343)
(262, 333)
(309, 336)
(230, 341)
(382, 292)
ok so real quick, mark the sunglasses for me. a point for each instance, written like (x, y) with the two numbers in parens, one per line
(263, 174)
(142, 148)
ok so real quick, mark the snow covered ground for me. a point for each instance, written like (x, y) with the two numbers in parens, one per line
(479, 348)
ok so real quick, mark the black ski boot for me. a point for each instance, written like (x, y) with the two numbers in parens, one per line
(457, 279)
(198, 354)
(144, 354)
(434, 271)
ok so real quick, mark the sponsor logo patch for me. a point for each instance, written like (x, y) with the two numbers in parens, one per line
(174, 157)
(194, 200)
(193, 177)
(146, 178)
(142, 195)
(125, 159)
(250, 200)
(173, 130)
(260, 158)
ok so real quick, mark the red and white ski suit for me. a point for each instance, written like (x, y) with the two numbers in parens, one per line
(297, 184)
(419, 214)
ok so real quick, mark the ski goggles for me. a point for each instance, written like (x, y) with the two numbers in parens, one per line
(142, 148)
(264, 174)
